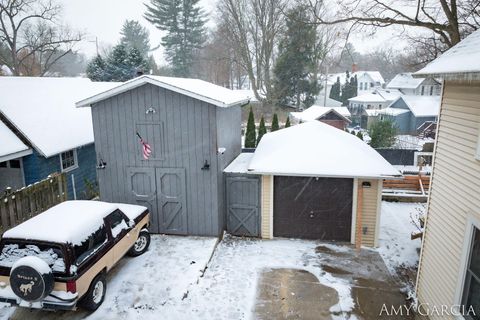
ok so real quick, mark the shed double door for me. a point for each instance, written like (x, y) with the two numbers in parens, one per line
(163, 192)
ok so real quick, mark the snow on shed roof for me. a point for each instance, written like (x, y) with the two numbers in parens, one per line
(460, 62)
(318, 149)
(240, 164)
(405, 81)
(11, 146)
(195, 88)
(68, 222)
(43, 111)
(422, 106)
(315, 112)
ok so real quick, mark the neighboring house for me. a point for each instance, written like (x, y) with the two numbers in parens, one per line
(338, 117)
(449, 268)
(193, 130)
(308, 181)
(409, 85)
(409, 113)
(45, 133)
(368, 81)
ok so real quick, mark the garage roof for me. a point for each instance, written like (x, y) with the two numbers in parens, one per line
(11, 147)
(318, 149)
(194, 88)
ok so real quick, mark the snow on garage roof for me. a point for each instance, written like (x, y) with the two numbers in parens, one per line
(68, 222)
(240, 164)
(315, 112)
(460, 62)
(318, 149)
(195, 88)
(11, 147)
(43, 111)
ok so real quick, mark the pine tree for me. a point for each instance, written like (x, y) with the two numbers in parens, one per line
(335, 91)
(262, 130)
(293, 83)
(382, 134)
(275, 125)
(96, 69)
(287, 123)
(134, 35)
(360, 135)
(184, 24)
(250, 134)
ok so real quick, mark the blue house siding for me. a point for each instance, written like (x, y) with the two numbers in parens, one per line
(36, 167)
(402, 122)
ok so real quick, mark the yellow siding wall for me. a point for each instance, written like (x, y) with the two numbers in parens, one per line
(370, 211)
(454, 195)
(267, 207)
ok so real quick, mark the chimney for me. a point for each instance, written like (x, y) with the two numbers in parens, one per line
(354, 67)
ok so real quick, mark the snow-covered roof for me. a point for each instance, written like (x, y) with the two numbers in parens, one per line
(421, 106)
(318, 149)
(248, 93)
(392, 111)
(195, 88)
(240, 164)
(373, 112)
(68, 222)
(405, 81)
(329, 102)
(370, 97)
(43, 111)
(376, 76)
(460, 62)
(389, 94)
(315, 112)
(11, 147)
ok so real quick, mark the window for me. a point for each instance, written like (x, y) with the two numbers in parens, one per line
(423, 90)
(371, 84)
(431, 90)
(471, 290)
(90, 245)
(68, 160)
(117, 223)
(3, 164)
(15, 164)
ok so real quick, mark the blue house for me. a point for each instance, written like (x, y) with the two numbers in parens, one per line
(42, 132)
(410, 112)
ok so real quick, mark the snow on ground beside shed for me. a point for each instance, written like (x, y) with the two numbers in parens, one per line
(396, 226)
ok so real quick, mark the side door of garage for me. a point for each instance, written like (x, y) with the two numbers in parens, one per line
(243, 206)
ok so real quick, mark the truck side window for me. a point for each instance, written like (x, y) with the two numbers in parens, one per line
(90, 245)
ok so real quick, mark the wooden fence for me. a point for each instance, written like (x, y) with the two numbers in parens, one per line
(23, 204)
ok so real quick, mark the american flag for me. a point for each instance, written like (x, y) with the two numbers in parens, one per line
(146, 149)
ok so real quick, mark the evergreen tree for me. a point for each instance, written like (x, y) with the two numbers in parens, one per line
(382, 134)
(134, 35)
(335, 91)
(349, 89)
(96, 69)
(287, 123)
(275, 125)
(262, 129)
(360, 135)
(184, 25)
(353, 132)
(293, 83)
(250, 134)
(118, 68)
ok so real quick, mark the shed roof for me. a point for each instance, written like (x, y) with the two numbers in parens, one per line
(315, 112)
(240, 164)
(460, 62)
(43, 111)
(11, 147)
(69, 222)
(318, 149)
(195, 88)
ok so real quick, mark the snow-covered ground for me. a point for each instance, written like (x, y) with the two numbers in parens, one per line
(396, 225)
(168, 281)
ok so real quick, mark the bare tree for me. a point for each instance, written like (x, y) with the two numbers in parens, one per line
(33, 38)
(253, 27)
(446, 22)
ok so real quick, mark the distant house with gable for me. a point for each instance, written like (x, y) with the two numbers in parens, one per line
(408, 85)
(338, 117)
(41, 132)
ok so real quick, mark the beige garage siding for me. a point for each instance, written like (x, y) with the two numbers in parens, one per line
(370, 211)
(454, 196)
(267, 207)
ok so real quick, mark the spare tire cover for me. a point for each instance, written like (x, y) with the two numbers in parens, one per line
(31, 279)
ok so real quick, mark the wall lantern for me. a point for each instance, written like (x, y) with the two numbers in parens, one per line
(150, 111)
(206, 165)
(101, 164)
(366, 184)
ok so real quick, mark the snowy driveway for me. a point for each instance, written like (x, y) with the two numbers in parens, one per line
(168, 281)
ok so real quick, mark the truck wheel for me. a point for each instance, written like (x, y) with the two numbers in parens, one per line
(141, 245)
(95, 294)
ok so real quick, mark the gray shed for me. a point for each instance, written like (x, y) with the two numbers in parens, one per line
(194, 130)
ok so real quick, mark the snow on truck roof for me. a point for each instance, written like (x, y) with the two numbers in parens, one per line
(194, 88)
(460, 62)
(43, 111)
(318, 149)
(70, 221)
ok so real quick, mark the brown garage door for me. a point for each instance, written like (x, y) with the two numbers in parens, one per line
(312, 208)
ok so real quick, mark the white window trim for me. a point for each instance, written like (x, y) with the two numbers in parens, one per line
(472, 223)
(75, 159)
(417, 154)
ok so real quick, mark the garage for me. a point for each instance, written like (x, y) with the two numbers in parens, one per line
(313, 208)
(318, 182)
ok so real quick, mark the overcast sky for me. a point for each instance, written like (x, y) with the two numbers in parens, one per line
(103, 19)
